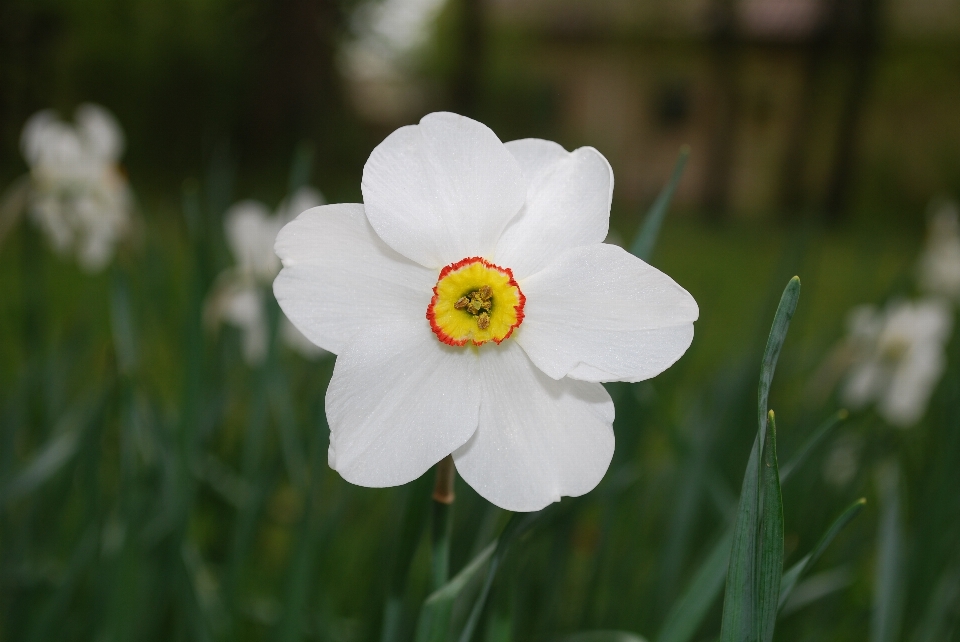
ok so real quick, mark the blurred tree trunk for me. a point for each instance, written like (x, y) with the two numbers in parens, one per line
(465, 90)
(859, 42)
(724, 45)
(294, 88)
(794, 192)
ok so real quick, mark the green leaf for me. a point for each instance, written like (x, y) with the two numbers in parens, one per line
(58, 450)
(778, 333)
(646, 239)
(770, 553)
(756, 557)
(603, 636)
(517, 526)
(434, 619)
(939, 615)
(301, 167)
(411, 529)
(812, 442)
(684, 618)
(798, 570)
(888, 587)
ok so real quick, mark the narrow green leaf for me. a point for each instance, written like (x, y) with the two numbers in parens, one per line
(412, 524)
(58, 450)
(798, 570)
(55, 608)
(941, 608)
(301, 167)
(812, 442)
(435, 615)
(646, 239)
(778, 333)
(739, 603)
(603, 636)
(517, 526)
(888, 589)
(121, 322)
(756, 557)
(770, 544)
(684, 618)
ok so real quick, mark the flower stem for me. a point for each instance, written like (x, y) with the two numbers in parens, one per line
(442, 521)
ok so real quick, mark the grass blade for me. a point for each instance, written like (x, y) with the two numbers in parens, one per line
(888, 578)
(770, 543)
(798, 570)
(58, 450)
(778, 333)
(812, 442)
(411, 529)
(517, 526)
(684, 618)
(435, 614)
(646, 239)
(603, 636)
(756, 556)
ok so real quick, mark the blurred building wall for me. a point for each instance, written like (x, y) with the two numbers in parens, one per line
(787, 104)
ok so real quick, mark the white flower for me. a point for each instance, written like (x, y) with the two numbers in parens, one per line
(78, 196)
(939, 267)
(474, 310)
(898, 357)
(238, 297)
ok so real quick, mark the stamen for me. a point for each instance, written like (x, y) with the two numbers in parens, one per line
(475, 300)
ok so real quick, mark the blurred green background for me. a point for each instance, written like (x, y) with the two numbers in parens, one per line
(154, 486)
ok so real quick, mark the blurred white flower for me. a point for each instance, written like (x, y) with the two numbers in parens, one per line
(939, 267)
(475, 310)
(898, 357)
(376, 61)
(841, 463)
(238, 296)
(78, 195)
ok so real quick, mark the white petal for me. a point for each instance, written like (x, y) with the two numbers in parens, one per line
(339, 278)
(535, 156)
(606, 309)
(442, 190)
(399, 402)
(100, 132)
(567, 205)
(538, 439)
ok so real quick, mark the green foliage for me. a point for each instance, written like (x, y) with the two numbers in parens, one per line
(646, 239)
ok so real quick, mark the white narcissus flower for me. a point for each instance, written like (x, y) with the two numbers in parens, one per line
(78, 195)
(939, 267)
(475, 310)
(238, 297)
(898, 357)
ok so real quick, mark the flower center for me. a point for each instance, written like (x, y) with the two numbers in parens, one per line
(475, 300)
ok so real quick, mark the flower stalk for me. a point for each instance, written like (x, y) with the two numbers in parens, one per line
(443, 497)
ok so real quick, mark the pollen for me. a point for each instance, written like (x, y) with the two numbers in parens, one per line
(476, 301)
